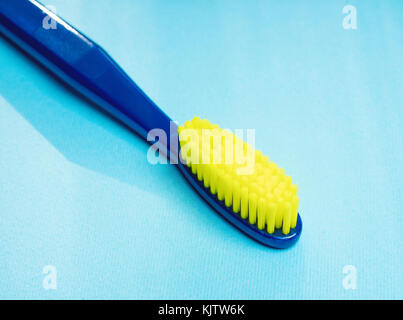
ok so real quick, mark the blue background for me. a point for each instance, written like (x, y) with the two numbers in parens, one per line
(77, 192)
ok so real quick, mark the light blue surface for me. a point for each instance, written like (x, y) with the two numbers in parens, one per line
(77, 192)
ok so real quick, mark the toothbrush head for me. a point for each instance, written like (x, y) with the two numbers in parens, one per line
(241, 183)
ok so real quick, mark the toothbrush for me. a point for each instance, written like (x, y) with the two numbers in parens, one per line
(263, 204)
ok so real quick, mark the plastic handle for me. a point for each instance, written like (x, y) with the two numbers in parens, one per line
(82, 64)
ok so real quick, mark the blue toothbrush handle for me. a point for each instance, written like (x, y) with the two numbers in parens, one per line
(81, 63)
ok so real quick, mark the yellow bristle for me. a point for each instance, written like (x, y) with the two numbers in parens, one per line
(244, 202)
(220, 185)
(213, 180)
(194, 168)
(261, 213)
(236, 197)
(271, 216)
(287, 218)
(206, 175)
(199, 168)
(280, 213)
(264, 195)
(228, 190)
(252, 208)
